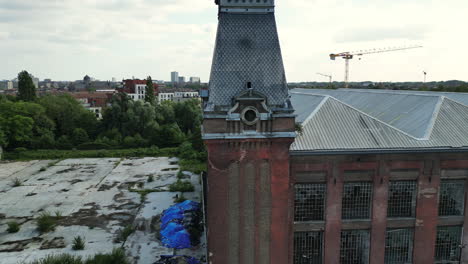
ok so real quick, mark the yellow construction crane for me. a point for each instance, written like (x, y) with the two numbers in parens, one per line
(350, 55)
(326, 75)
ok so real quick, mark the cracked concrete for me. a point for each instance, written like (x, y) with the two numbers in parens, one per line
(94, 200)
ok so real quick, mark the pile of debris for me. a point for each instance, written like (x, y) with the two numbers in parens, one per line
(177, 260)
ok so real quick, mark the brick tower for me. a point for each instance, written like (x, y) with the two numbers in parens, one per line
(248, 127)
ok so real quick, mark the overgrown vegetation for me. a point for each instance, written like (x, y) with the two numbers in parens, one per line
(77, 154)
(124, 234)
(46, 222)
(181, 186)
(17, 182)
(78, 243)
(59, 127)
(13, 227)
(116, 257)
(151, 178)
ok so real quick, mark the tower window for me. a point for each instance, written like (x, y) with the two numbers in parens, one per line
(447, 248)
(357, 200)
(249, 85)
(308, 248)
(250, 115)
(355, 247)
(309, 204)
(451, 198)
(402, 199)
(399, 246)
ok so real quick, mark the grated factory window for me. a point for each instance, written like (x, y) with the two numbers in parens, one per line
(309, 204)
(401, 199)
(308, 248)
(354, 247)
(357, 200)
(452, 198)
(448, 244)
(399, 246)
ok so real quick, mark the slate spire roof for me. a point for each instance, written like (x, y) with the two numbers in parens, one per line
(364, 120)
(247, 53)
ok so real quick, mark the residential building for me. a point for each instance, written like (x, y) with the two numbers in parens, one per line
(326, 176)
(6, 85)
(181, 80)
(195, 80)
(174, 77)
(177, 95)
(94, 101)
(136, 89)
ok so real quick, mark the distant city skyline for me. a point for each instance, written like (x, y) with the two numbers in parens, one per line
(65, 40)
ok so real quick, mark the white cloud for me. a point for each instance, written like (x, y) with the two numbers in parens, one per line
(65, 39)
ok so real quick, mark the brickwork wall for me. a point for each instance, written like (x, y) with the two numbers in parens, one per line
(426, 169)
(249, 208)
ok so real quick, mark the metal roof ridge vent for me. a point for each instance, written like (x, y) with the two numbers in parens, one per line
(379, 121)
(387, 92)
(434, 117)
(316, 110)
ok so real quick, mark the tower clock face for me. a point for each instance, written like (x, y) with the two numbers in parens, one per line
(250, 115)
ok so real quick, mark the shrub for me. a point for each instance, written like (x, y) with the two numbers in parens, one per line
(46, 223)
(43, 169)
(20, 149)
(151, 178)
(116, 257)
(93, 146)
(180, 175)
(17, 182)
(78, 243)
(13, 227)
(59, 259)
(181, 186)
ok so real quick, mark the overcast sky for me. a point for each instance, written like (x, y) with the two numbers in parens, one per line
(67, 39)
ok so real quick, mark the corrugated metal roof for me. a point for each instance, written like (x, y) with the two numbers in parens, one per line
(247, 50)
(335, 125)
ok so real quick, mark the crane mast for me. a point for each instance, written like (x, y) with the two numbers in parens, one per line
(350, 55)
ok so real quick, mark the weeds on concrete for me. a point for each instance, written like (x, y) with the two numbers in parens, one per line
(151, 178)
(13, 227)
(78, 243)
(17, 182)
(46, 222)
(58, 215)
(116, 257)
(124, 234)
(181, 186)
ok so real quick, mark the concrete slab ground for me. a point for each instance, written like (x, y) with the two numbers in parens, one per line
(96, 199)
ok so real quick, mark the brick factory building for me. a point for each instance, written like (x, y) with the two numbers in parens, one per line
(326, 176)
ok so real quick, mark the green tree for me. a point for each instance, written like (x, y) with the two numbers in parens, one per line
(68, 114)
(17, 129)
(188, 115)
(26, 88)
(149, 95)
(64, 143)
(79, 136)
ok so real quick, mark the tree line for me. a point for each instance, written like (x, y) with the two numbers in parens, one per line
(61, 122)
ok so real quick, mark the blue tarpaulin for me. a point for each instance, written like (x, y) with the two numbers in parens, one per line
(173, 232)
